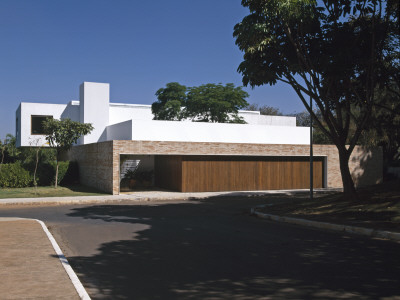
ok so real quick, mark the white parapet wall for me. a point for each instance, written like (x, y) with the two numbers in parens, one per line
(120, 131)
(120, 112)
(175, 131)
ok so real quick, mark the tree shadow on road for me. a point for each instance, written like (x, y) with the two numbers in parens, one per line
(206, 249)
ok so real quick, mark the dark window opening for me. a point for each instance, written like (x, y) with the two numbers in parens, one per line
(37, 124)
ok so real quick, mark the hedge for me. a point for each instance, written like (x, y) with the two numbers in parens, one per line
(14, 176)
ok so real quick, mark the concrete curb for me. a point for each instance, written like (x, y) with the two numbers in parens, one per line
(64, 262)
(147, 196)
(394, 236)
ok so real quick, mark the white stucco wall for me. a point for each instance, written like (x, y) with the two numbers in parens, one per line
(268, 120)
(143, 130)
(36, 109)
(94, 101)
(26, 110)
(120, 131)
(120, 112)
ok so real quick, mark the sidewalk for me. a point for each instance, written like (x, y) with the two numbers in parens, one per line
(29, 265)
(141, 196)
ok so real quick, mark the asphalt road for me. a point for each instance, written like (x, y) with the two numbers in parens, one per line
(213, 249)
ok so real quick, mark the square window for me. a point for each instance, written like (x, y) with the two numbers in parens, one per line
(37, 124)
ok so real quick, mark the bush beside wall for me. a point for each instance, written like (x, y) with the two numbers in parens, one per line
(72, 174)
(14, 176)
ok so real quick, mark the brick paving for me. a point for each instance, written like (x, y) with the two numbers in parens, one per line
(29, 266)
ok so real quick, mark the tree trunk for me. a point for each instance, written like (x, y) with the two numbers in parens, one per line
(55, 184)
(36, 166)
(2, 158)
(348, 183)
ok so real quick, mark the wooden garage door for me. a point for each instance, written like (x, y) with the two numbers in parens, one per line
(236, 173)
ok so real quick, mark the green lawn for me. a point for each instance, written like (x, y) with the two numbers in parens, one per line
(49, 191)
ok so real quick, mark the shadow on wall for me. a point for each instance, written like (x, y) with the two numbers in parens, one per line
(103, 136)
(366, 164)
(210, 250)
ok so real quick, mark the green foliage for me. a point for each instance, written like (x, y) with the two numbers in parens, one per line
(12, 150)
(72, 175)
(338, 53)
(384, 126)
(62, 171)
(45, 171)
(62, 134)
(263, 109)
(14, 176)
(205, 103)
(130, 174)
(169, 103)
(27, 155)
(8, 150)
(215, 103)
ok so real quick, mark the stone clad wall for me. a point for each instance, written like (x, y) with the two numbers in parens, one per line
(99, 162)
(95, 164)
(366, 165)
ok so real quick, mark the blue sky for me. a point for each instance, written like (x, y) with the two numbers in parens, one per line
(49, 47)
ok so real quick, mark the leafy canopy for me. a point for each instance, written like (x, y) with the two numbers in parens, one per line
(215, 103)
(205, 103)
(62, 134)
(337, 53)
(169, 102)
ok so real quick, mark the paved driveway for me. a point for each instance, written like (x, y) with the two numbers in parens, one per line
(213, 249)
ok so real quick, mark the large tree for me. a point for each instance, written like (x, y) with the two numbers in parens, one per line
(169, 102)
(337, 53)
(62, 134)
(215, 103)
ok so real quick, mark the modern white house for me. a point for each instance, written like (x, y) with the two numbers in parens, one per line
(119, 121)
(269, 152)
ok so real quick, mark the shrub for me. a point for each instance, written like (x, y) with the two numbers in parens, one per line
(45, 171)
(62, 170)
(14, 176)
(72, 175)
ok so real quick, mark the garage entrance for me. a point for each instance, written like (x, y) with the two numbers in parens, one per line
(236, 173)
(136, 172)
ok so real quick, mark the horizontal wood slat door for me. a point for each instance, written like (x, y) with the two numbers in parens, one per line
(236, 173)
(207, 174)
(168, 172)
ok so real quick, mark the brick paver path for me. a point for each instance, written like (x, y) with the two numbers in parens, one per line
(29, 266)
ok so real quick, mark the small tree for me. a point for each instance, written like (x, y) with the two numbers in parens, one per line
(62, 134)
(35, 143)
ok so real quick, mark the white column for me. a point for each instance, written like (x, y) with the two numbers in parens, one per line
(94, 108)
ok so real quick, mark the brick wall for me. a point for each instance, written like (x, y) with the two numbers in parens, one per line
(95, 164)
(99, 162)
